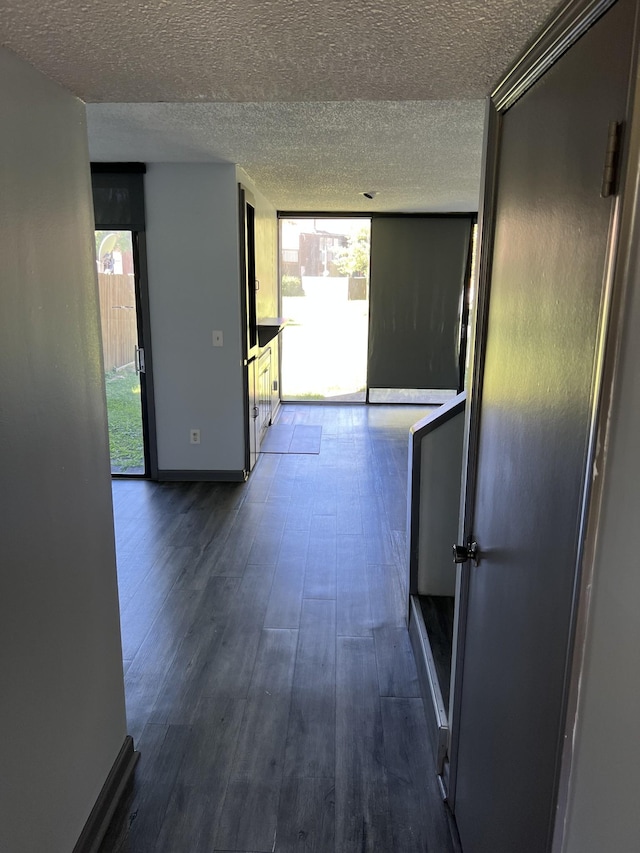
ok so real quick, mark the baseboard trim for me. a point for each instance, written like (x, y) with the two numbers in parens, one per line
(188, 476)
(108, 799)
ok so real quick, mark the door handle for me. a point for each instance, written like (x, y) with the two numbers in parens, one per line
(470, 551)
(139, 360)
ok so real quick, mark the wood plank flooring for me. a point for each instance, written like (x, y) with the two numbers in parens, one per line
(270, 684)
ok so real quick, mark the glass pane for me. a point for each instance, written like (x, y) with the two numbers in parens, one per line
(117, 289)
(324, 269)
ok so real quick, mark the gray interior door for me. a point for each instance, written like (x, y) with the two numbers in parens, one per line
(550, 245)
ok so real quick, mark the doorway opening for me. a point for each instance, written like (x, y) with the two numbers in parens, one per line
(123, 354)
(324, 285)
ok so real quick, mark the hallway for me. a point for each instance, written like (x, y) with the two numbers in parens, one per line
(270, 683)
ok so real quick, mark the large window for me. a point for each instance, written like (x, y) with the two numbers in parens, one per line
(324, 278)
(378, 307)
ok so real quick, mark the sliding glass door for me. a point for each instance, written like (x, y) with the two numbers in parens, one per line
(122, 352)
(120, 246)
(324, 280)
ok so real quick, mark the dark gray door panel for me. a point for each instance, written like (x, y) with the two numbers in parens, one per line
(550, 247)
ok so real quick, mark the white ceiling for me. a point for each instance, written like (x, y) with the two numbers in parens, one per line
(314, 156)
(317, 101)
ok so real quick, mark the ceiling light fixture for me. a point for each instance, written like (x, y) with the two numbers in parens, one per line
(370, 194)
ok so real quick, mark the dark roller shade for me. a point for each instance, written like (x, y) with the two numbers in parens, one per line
(118, 196)
(418, 273)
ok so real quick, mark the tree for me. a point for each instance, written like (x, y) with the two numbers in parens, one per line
(353, 260)
(122, 242)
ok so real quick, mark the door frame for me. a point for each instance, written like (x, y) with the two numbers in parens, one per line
(144, 336)
(249, 326)
(130, 216)
(476, 344)
(560, 34)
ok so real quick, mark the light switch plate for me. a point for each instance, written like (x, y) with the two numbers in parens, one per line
(217, 339)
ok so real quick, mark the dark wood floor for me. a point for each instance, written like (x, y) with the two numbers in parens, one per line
(270, 683)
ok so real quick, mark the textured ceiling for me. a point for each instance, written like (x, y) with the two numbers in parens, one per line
(272, 50)
(314, 155)
(317, 101)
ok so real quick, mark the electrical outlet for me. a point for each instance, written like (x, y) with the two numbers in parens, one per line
(217, 338)
(194, 436)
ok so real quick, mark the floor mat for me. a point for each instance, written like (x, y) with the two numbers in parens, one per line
(290, 438)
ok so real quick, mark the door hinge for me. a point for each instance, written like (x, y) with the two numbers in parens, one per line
(612, 160)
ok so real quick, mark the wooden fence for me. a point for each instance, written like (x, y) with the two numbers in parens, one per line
(118, 319)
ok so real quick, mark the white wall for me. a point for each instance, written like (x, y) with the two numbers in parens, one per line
(62, 697)
(194, 288)
(604, 806)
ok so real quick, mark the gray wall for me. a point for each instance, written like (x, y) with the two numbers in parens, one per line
(62, 707)
(194, 288)
(603, 806)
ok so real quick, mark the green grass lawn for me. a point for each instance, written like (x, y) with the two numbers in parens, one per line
(125, 421)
